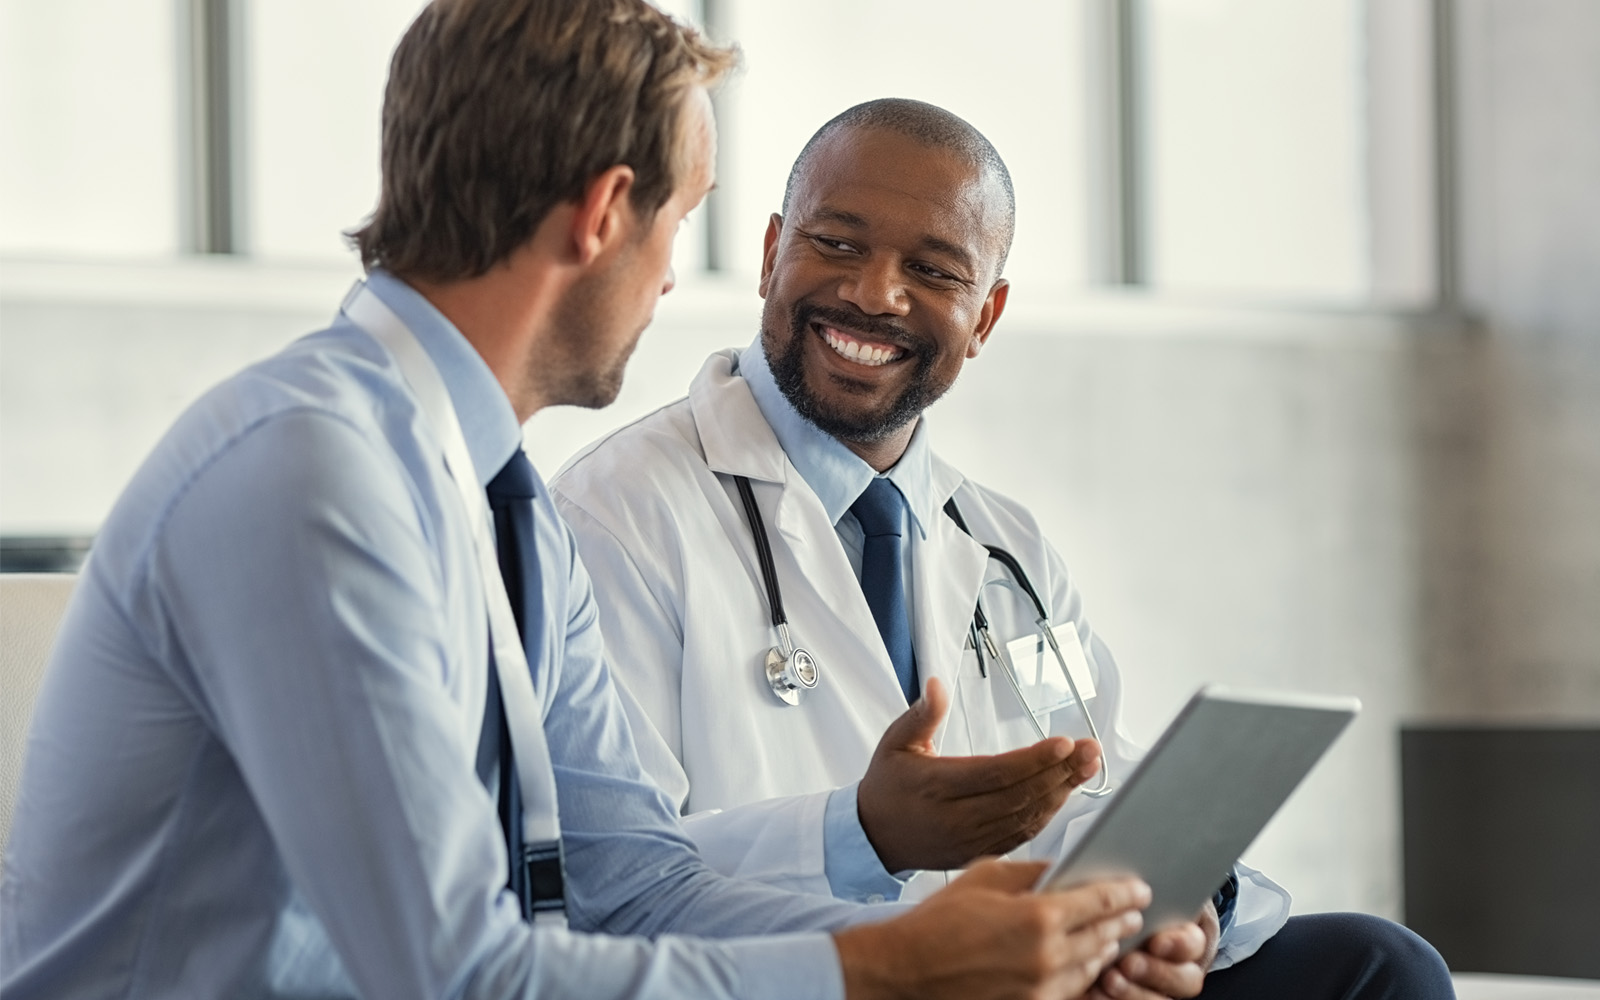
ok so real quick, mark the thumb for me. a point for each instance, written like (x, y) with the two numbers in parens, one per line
(915, 728)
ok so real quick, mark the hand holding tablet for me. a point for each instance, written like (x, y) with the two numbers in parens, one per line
(1210, 783)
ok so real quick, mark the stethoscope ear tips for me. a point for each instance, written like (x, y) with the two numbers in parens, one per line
(791, 674)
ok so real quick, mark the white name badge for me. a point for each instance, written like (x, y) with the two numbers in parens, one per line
(1044, 688)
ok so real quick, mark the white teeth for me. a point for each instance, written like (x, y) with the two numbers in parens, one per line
(858, 352)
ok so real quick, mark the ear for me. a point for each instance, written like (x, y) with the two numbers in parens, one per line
(993, 306)
(769, 251)
(604, 216)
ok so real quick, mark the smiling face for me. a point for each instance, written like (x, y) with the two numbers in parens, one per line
(880, 283)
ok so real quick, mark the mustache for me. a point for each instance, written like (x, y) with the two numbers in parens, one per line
(881, 329)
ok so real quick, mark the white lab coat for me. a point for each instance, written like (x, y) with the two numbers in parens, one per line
(664, 536)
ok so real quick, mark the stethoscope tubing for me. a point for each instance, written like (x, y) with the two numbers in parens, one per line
(979, 630)
(769, 571)
(982, 640)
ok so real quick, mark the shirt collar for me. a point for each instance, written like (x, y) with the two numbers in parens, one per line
(482, 406)
(836, 474)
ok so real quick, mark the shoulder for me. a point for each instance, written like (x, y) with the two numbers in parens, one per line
(983, 507)
(337, 374)
(323, 418)
(997, 519)
(654, 463)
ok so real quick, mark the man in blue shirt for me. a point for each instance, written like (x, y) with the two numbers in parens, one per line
(254, 765)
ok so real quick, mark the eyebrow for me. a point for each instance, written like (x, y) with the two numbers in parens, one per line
(934, 243)
(946, 247)
(840, 216)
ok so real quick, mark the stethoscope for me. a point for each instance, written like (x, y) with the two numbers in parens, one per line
(790, 669)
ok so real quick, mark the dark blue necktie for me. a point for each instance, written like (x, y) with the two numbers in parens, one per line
(511, 493)
(879, 511)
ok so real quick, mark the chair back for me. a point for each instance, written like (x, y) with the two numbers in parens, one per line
(31, 605)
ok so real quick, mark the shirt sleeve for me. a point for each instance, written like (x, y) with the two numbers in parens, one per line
(854, 869)
(1260, 910)
(305, 596)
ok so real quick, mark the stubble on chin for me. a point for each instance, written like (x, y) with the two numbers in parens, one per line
(575, 368)
(786, 357)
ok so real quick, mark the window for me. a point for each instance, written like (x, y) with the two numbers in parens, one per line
(89, 128)
(1010, 67)
(1249, 148)
(316, 72)
(1253, 168)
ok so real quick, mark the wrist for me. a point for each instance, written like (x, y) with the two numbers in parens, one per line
(876, 833)
(868, 956)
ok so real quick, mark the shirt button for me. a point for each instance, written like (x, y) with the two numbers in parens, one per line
(876, 897)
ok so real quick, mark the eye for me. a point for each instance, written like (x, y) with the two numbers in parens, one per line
(832, 244)
(932, 273)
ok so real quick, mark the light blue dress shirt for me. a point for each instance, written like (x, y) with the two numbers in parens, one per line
(838, 476)
(251, 768)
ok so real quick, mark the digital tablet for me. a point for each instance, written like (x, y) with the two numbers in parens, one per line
(1201, 795)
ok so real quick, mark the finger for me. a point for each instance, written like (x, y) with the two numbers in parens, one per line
(1095, 901)
(1178, 943)
(1073, 979)
(1118, 986)
(1015, 815)
(1004, 817)
(1168, 979)
(1077, 958)
(1044, 791)
(1085, 760)
(1002, 876)
(965, 776)
(915, 727)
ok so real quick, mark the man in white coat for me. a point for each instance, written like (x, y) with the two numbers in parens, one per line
(796, 485)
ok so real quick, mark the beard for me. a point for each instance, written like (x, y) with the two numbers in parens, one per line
(588, 356)
(864, 424)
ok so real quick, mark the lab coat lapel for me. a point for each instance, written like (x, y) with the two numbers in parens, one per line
(822, 592)
(733, 434)
(947, 571)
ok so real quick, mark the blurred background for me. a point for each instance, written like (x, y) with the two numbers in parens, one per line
(1301, 369)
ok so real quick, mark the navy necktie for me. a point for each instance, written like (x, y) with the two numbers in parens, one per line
(511, 493)
(879, 511)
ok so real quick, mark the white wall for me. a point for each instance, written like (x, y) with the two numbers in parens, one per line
(1514, 593)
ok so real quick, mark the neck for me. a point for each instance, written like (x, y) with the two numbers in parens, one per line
(883, 453)
(500, 313)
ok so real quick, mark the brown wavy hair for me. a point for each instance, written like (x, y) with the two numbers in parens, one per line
(496, 111)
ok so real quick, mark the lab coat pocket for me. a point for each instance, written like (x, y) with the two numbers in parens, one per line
(993, 717)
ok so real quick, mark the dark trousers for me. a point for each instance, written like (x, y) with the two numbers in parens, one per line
(1336, 956)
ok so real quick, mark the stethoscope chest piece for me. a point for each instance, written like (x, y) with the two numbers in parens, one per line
(791, 674)
(788, 668)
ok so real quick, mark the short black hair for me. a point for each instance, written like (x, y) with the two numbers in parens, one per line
(930, 125)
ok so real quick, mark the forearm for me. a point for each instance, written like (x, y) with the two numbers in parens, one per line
(564, 965)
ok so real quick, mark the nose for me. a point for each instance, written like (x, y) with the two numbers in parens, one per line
(670, 281)
(877, 287)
